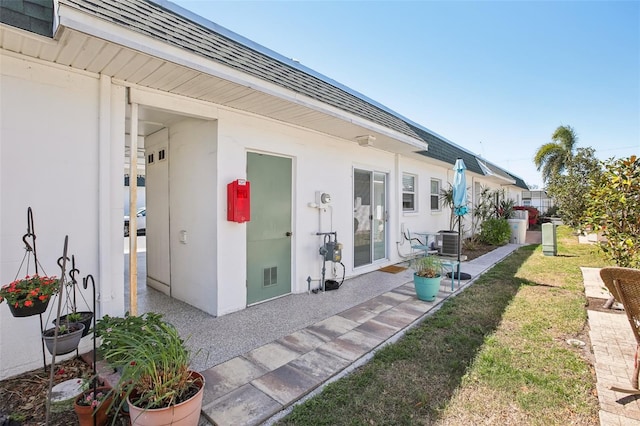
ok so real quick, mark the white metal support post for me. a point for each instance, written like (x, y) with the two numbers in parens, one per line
(133, 200)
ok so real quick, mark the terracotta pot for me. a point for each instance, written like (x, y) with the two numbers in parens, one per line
(186, 413)
(86, 413)
(38, 307)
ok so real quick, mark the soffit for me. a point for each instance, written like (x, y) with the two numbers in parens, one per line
(87, 53)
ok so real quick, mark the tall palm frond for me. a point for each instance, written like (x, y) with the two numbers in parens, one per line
(553, 157)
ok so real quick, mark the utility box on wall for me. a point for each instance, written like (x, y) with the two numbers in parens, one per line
(239, 201)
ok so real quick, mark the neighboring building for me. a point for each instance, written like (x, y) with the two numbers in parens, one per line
(209, 108)
(538, 199)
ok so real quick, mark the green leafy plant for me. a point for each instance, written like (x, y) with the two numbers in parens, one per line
(117, 332)
(570, 190)
(24, 292)
(551, 211)
(613, 209)
(153, 358)
(505, 208)
(446, 197)
(428, 266)
(74, 317)
(495, 232)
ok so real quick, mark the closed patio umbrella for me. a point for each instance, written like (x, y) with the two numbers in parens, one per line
(460, 205)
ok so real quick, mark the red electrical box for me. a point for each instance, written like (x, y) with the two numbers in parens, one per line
(239, 201)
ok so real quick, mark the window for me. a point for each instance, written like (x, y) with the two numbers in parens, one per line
(408, 193)
(435, 195)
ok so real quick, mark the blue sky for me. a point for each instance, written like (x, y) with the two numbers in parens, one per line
(495, 77)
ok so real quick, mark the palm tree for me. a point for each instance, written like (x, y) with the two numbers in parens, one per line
(553, 157)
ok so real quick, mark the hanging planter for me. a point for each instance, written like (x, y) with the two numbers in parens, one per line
(36, 307)
(83, 318)
(68, 338)
(30, 295)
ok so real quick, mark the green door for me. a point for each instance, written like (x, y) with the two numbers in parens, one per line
(269, 230)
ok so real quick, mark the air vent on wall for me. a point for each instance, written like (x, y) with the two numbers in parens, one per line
(270, 276)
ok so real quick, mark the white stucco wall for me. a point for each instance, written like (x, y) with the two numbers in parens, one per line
(320, 163)
(193, 212)
(48, 137)
(157, 217)
(62, 153)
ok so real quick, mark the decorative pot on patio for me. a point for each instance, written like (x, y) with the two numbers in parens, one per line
(68, 338)
(427, 277)
(426, 288)
(186, 413)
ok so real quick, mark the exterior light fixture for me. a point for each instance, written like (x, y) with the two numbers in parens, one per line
(365, 140)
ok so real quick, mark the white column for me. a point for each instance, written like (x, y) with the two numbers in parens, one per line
(133, 199)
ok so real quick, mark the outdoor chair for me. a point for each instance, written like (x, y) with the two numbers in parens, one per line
(624, 286)
(418, 247)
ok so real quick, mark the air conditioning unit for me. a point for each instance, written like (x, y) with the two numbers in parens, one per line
(448, 243)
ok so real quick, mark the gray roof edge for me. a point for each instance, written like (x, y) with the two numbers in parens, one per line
(487, 163)
(210, 25)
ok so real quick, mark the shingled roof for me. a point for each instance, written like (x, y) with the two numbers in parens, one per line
(31, 15)
(169, 23)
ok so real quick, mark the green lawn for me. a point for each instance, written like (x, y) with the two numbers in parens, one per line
(495, 354)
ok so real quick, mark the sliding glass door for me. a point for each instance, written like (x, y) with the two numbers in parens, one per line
(369, 217)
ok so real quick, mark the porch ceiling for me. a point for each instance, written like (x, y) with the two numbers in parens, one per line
(80, 51)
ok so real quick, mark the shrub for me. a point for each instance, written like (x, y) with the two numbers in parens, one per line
(613, 209)
(495, 232)
(552, 211)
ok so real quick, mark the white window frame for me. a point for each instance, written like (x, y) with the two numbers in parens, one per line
(437, 195)
(414, 193)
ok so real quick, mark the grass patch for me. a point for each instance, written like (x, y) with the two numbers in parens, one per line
(494, 354)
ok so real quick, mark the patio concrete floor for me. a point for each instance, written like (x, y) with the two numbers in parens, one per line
(260, 361)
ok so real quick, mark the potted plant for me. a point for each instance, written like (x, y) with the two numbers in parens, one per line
(93, 402)
(427, 277)
(68, 339)
(29, 295)
(83, 317)
(156, 381)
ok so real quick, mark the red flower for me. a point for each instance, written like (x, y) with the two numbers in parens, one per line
(23, 292)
